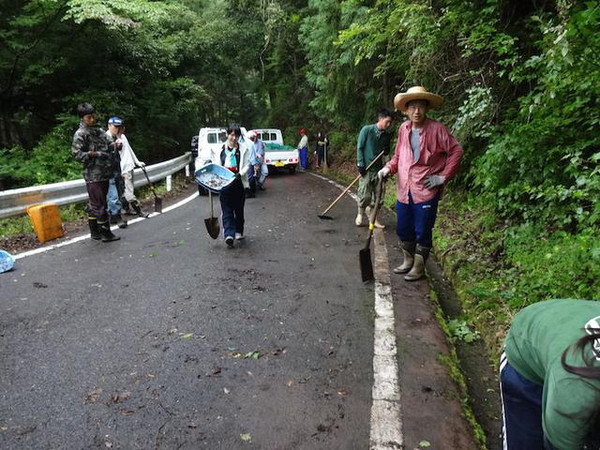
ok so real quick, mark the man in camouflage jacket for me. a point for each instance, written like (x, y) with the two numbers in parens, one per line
(92, 148)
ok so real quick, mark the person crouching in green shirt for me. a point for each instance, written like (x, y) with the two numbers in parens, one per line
(550, 377)
(372, 140)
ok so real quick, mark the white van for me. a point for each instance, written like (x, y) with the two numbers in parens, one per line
(210, 141)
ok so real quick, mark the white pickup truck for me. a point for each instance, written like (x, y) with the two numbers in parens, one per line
(276, 154)
(269, 135)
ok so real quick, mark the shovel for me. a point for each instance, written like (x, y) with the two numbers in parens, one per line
(212, 223)
(157, 199)
(323, 216)
(366, 265)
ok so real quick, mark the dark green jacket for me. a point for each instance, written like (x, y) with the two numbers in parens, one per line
(86, 139)
(371, 142)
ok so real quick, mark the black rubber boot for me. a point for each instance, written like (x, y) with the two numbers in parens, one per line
(118, 221)
(125, 208)
(94, 229)
(105, 234)
(138, 210)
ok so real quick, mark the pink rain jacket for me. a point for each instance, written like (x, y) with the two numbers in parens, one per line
(440, 155)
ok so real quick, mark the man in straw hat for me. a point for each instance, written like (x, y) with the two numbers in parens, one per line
(426, 157)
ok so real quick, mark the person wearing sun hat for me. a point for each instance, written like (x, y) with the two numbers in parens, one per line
(427, 156)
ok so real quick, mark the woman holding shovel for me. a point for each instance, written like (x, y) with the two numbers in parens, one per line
(234, 157)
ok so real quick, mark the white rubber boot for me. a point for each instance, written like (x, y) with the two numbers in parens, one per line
(368, 214)
(418, 269)
(407, 263)
(359, 217)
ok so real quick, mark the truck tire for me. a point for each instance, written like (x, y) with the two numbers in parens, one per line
(292, 170)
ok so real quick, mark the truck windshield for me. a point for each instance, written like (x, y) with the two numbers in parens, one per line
(216, 138)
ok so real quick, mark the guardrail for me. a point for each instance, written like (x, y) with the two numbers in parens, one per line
(14, 202)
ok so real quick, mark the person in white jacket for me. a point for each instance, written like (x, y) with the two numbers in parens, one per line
(129, 161)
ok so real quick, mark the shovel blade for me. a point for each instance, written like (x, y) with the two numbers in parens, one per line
(212, 226)
(366, 265)
(324, 217)
(158, 204)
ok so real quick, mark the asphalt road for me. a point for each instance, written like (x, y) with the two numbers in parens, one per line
(169, 340)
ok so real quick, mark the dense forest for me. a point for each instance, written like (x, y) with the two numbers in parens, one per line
(521, 80)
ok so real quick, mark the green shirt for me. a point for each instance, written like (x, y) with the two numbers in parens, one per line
(371, 142)
(537, 338)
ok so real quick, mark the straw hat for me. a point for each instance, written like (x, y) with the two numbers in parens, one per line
(417, 93)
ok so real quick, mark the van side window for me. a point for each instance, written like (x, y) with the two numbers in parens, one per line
(222, 136)
(273, 137)
(212, 138)
(265, 136)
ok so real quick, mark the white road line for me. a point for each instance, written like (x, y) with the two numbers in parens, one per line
(87, 236)
(386, 417)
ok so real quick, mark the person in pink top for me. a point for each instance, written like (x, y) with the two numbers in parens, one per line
(427, 156)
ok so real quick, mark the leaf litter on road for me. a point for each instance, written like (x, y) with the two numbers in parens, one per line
(252, 355)
(119, 398)
(93, 396)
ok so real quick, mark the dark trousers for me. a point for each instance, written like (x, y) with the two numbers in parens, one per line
(521, 410)
(252, 179)
(416, 220)
(97, 206)
(232, 206)
(320, 155)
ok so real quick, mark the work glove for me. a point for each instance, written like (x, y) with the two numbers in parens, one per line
(383, 173)
(434, 180)
(362, 171)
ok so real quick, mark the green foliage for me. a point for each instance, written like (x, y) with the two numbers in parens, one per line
(460, 330)
(560, 265)
(498, 268)
(15, 225)
(49, 162)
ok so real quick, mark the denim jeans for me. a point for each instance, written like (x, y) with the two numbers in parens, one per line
(114, 203)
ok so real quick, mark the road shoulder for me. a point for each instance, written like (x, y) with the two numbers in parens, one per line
(431, 408)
